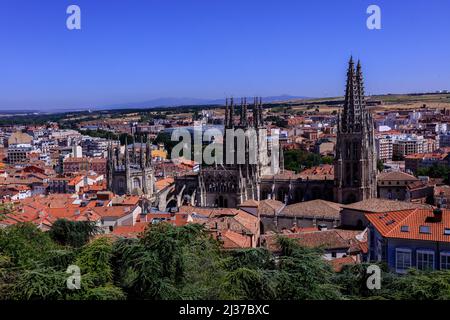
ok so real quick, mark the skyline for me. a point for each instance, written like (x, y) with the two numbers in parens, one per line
(144, 50)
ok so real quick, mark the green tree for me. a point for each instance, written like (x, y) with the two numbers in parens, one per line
(380, 165)
(24, 243)
(303, 274)
(435, 171)
(73, 233)
(297, 160)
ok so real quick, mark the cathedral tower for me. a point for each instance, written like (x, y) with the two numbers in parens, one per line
(130, 174)
(355, 162)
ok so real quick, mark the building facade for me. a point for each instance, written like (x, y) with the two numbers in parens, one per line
(237, 178)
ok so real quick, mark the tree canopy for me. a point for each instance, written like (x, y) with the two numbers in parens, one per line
(169, 262)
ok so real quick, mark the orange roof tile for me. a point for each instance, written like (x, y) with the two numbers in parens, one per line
(130, 231)
(390, 224)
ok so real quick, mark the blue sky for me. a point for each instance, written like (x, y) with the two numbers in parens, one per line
(137, 50)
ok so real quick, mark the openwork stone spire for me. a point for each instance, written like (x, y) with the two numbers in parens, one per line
(355, 161)
(354, 105)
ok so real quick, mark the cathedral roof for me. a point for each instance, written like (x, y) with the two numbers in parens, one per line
(396, 176)
(314, 208)
(250, 203)
(377, 205)
(164, 183)
(322, 172)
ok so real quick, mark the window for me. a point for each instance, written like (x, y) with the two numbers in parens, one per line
(425, 260)
(447, 231)
(445, 260)
(402, 260)
(424, 229)
(404, 228)
(136, 183)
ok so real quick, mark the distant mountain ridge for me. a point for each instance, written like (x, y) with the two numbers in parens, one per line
(176, 102)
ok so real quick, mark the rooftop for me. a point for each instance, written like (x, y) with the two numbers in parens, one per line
(375, 205)
(396, 176)
(414, 224)
(314, 208)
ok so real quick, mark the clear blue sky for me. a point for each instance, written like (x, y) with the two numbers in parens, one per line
(137, 50)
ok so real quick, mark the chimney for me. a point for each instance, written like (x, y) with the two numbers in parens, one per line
(437, 214)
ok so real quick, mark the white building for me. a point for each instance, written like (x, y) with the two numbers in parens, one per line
(384, 148)
(404, 145)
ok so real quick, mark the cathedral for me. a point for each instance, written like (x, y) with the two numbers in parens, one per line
(130, 174)
(351, 179)
(259, 172)
(355, 166)
(233, 181)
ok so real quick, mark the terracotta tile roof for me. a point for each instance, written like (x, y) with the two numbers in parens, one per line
(390, 224)
(96, 187)
(270, 207)
(416, 185)
(433, 155)
(125, 200)
(249, 221)
(234, 240)
(338, 263)
(164, 183)
(209, 212)
(222, 220)
(76, 180)
(322, 172)
(395, 176)
(115, 211)
(250, 203)
(130, 231)
(286, 174)
(382, 205)
(327, 239)
(314, 208)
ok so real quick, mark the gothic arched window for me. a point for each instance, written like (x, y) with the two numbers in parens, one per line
(136, 183)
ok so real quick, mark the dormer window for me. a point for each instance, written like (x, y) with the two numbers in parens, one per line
(404, 228)
(424, 229)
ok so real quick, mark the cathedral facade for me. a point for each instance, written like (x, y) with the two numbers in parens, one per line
(130, 174)
(237, 178)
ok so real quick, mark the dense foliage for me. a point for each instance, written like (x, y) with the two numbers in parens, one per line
(75, 234)
(435, 171)
(169, 262)
(298, 160)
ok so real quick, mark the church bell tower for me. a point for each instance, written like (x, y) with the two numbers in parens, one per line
(355, 162)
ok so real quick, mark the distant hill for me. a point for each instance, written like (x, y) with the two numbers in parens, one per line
(175, 102)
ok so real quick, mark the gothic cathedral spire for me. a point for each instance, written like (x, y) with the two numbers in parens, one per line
(355, 161)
